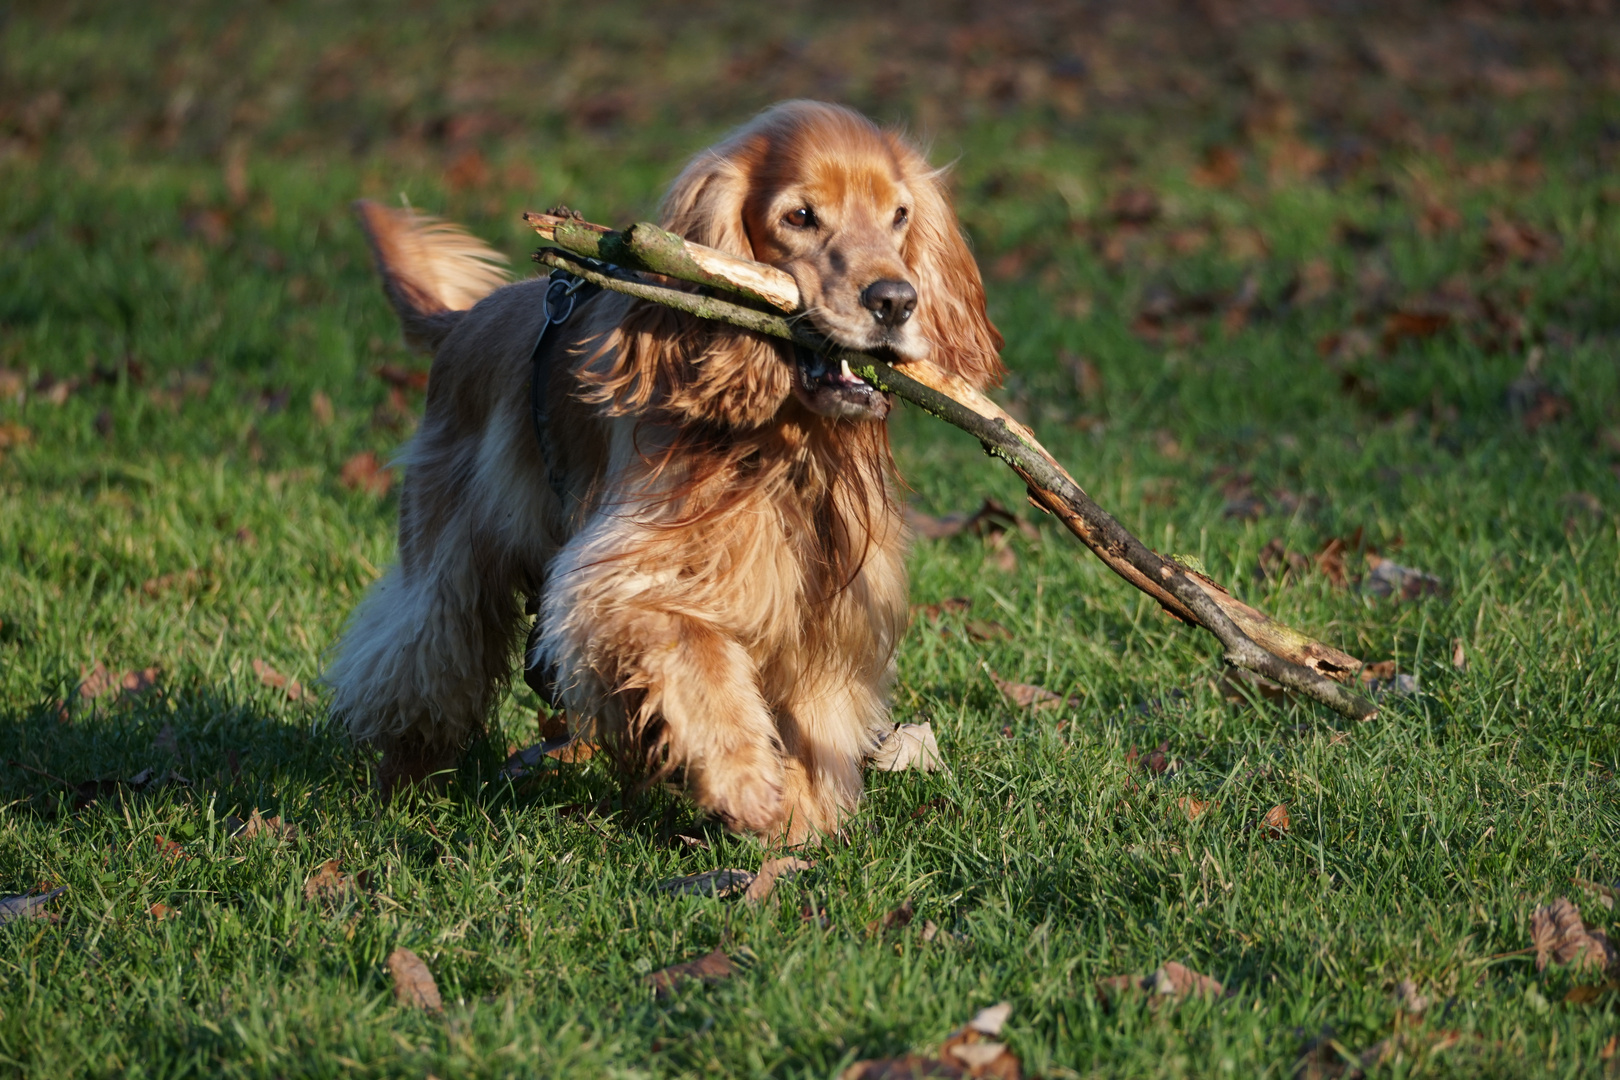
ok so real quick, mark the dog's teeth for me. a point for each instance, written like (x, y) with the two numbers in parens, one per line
(843, 366)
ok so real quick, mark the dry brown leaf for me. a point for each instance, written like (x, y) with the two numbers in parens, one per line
(1558, 934)
(161, 912)
(1030, 696)
(772, 871)
(898, 918)
(414, 987)
(711, 967)
(1406, 994)
(364, 472)
(257, 825)
(1585, 995)
(716, 883)
(169, 849)
(274, 679)
(1276, 822)
(1389, 578)
(908, 746)
(971, 1051)
(320, 407)
(1459, 655)
(1222, 167)
(954, 605)
(991, 519)
(329, 883)
(1192, 807)
(13, 434)
(1156, 761)
(1173, 981)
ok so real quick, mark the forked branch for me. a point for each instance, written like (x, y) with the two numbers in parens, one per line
(1252, 640)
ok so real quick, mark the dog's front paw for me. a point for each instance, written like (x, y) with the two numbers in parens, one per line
(747, 798)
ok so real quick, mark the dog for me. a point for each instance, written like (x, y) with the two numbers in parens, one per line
(708, 517)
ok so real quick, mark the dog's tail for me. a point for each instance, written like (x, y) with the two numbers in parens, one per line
(432, 271)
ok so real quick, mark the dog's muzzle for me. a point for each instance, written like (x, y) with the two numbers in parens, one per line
(827, 386)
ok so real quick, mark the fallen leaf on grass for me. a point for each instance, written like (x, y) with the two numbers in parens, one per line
(990, 519)
(970, 1051)
(274, 679)
(364, 472)
(1384, 678)
(909, 746)
(1173, 981)
(1389, 578)
(29, 906)
(954, 605)
(161, 912)
(1585, 995)
(772, 871)
(329, 883)
(1156, 761)
(1533, 401)
(1194, 808)
(1030, 696)
(98, 681)
(716, 883)
(711, 967)
(1406, 994)
(170, 850)
(1459, 655)
(13, 435)
(186, 580)
(1558, 934)
(414, 987)
(320, 407)
(895, 919)
(1276, 822)
(257, 825)
(1516, 241)
(1277, 561)
(570, 749)
(1237, 684)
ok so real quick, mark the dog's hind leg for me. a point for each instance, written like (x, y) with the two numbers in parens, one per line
(430, 648)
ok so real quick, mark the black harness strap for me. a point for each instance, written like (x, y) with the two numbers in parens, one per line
(562, 295)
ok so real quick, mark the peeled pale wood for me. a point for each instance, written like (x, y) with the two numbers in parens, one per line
(647, 247)
(1252, 640)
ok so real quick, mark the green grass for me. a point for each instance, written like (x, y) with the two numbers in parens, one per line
(224, 298)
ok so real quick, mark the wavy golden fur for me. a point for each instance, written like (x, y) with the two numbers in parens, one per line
(708, 518)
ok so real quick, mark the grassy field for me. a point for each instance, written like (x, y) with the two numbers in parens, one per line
(1330, 304)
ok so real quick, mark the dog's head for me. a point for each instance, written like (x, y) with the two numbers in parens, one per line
(862, 223)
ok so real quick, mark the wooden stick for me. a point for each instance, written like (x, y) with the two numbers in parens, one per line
(1252, 640)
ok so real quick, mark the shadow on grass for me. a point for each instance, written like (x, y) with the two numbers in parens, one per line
(59, 759)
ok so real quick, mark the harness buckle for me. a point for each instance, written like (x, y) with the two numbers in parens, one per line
(557, 292)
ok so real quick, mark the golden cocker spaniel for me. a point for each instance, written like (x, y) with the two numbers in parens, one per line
(708, 516)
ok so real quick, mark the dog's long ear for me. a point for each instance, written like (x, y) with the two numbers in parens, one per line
(950, 309)
(692, 370)
(705, 203)
(432, 270)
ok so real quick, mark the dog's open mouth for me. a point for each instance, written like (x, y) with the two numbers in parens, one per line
(828, 387)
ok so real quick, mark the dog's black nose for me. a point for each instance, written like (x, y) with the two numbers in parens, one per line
(890, 302)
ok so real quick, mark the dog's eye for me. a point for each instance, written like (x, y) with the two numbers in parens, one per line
(802, 218)
(901, 216)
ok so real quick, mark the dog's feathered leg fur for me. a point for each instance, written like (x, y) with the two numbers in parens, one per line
(426, 651)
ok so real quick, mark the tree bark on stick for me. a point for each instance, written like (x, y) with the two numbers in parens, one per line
(1251, 640)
